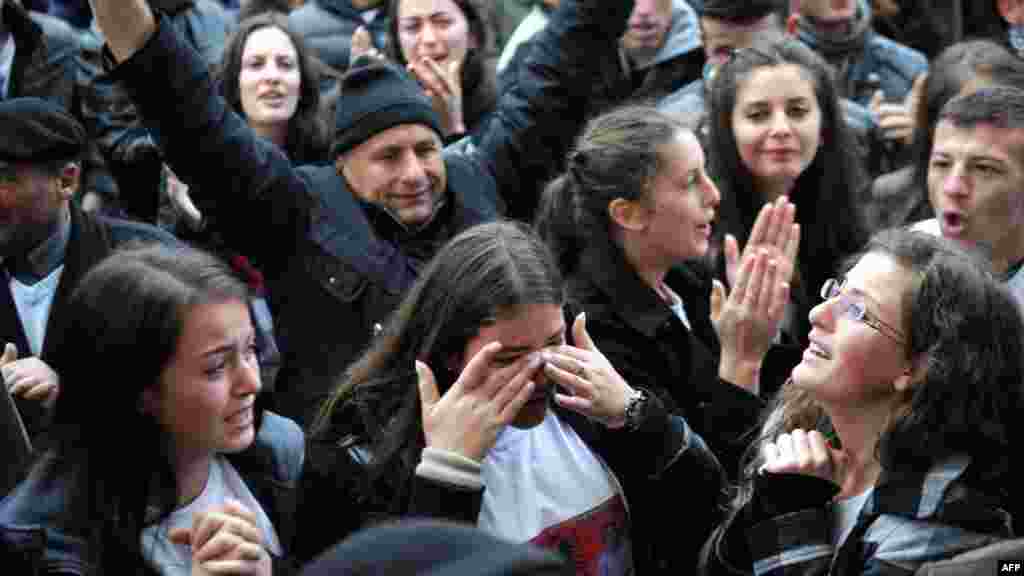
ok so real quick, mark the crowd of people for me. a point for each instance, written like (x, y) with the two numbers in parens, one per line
(516, 287)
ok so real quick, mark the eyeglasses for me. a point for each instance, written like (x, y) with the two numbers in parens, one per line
(857, 310)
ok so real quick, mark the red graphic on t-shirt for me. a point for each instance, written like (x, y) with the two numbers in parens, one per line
(597, 542)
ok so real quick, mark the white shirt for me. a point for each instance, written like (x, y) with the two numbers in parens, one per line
(169, 559)
(546, 487)
(33, 303)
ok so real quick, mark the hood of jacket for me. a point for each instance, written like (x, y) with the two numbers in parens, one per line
(683, 35)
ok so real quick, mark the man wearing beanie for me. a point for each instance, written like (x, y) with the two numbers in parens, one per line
(340, 244)
(46, 244)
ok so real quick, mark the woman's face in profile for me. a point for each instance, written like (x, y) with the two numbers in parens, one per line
(269, 79)
(777, 123)
(434, 29)
(857, 357)
(205, 396)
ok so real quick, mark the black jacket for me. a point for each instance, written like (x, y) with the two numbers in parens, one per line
(92, 239)
(327, 27)
(668, 478)
(336, 267)
(652, 348)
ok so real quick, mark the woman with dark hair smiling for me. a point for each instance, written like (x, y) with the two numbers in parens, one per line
(895, 441)
(777, 130)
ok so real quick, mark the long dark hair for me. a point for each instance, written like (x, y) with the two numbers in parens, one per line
(968, 328)
(126, 318)
(307, 129)
(479, 83)
(616, 156)
(824, 194)
(481, 274)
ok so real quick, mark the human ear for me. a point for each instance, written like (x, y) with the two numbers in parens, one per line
(628, 214)
(912, 375)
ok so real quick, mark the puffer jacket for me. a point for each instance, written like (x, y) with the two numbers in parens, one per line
(327, 27)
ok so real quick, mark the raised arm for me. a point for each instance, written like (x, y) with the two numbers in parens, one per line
(543, 109)
(244, 184)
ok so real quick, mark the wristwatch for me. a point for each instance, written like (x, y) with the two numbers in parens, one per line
(636, 409)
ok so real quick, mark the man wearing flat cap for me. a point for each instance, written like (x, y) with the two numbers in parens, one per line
(46, 243)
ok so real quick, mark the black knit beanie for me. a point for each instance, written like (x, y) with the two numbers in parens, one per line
(36, 131)
(376, 97)
(736, 10)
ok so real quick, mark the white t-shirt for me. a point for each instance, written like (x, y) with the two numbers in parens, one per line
(169, 559)
(33, 303)
(546, 487)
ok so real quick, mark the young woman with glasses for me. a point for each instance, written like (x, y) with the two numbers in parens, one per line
(892, 442)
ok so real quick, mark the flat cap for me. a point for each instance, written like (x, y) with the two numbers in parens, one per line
(36, 131)
(736, 9)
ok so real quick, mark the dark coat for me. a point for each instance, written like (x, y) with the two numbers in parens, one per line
(651, 347)
(336, 267)
(92, 239)
(327, 27)
(668, 478)
(270, 468)
(50, 64)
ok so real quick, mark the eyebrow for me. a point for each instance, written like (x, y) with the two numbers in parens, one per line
(520, 349)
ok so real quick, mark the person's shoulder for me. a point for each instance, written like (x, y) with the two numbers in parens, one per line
(123, 232)
(285, 442)
(59, 35)
(897, 55)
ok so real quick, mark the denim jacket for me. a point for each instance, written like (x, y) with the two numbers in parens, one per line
(32, 517)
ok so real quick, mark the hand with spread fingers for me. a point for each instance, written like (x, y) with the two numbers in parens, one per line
(596, 390)
(466, 420)
(442, 82)
(748, 319)
(225, 540)
(774, 230)
(801, 452)
(29, 378)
